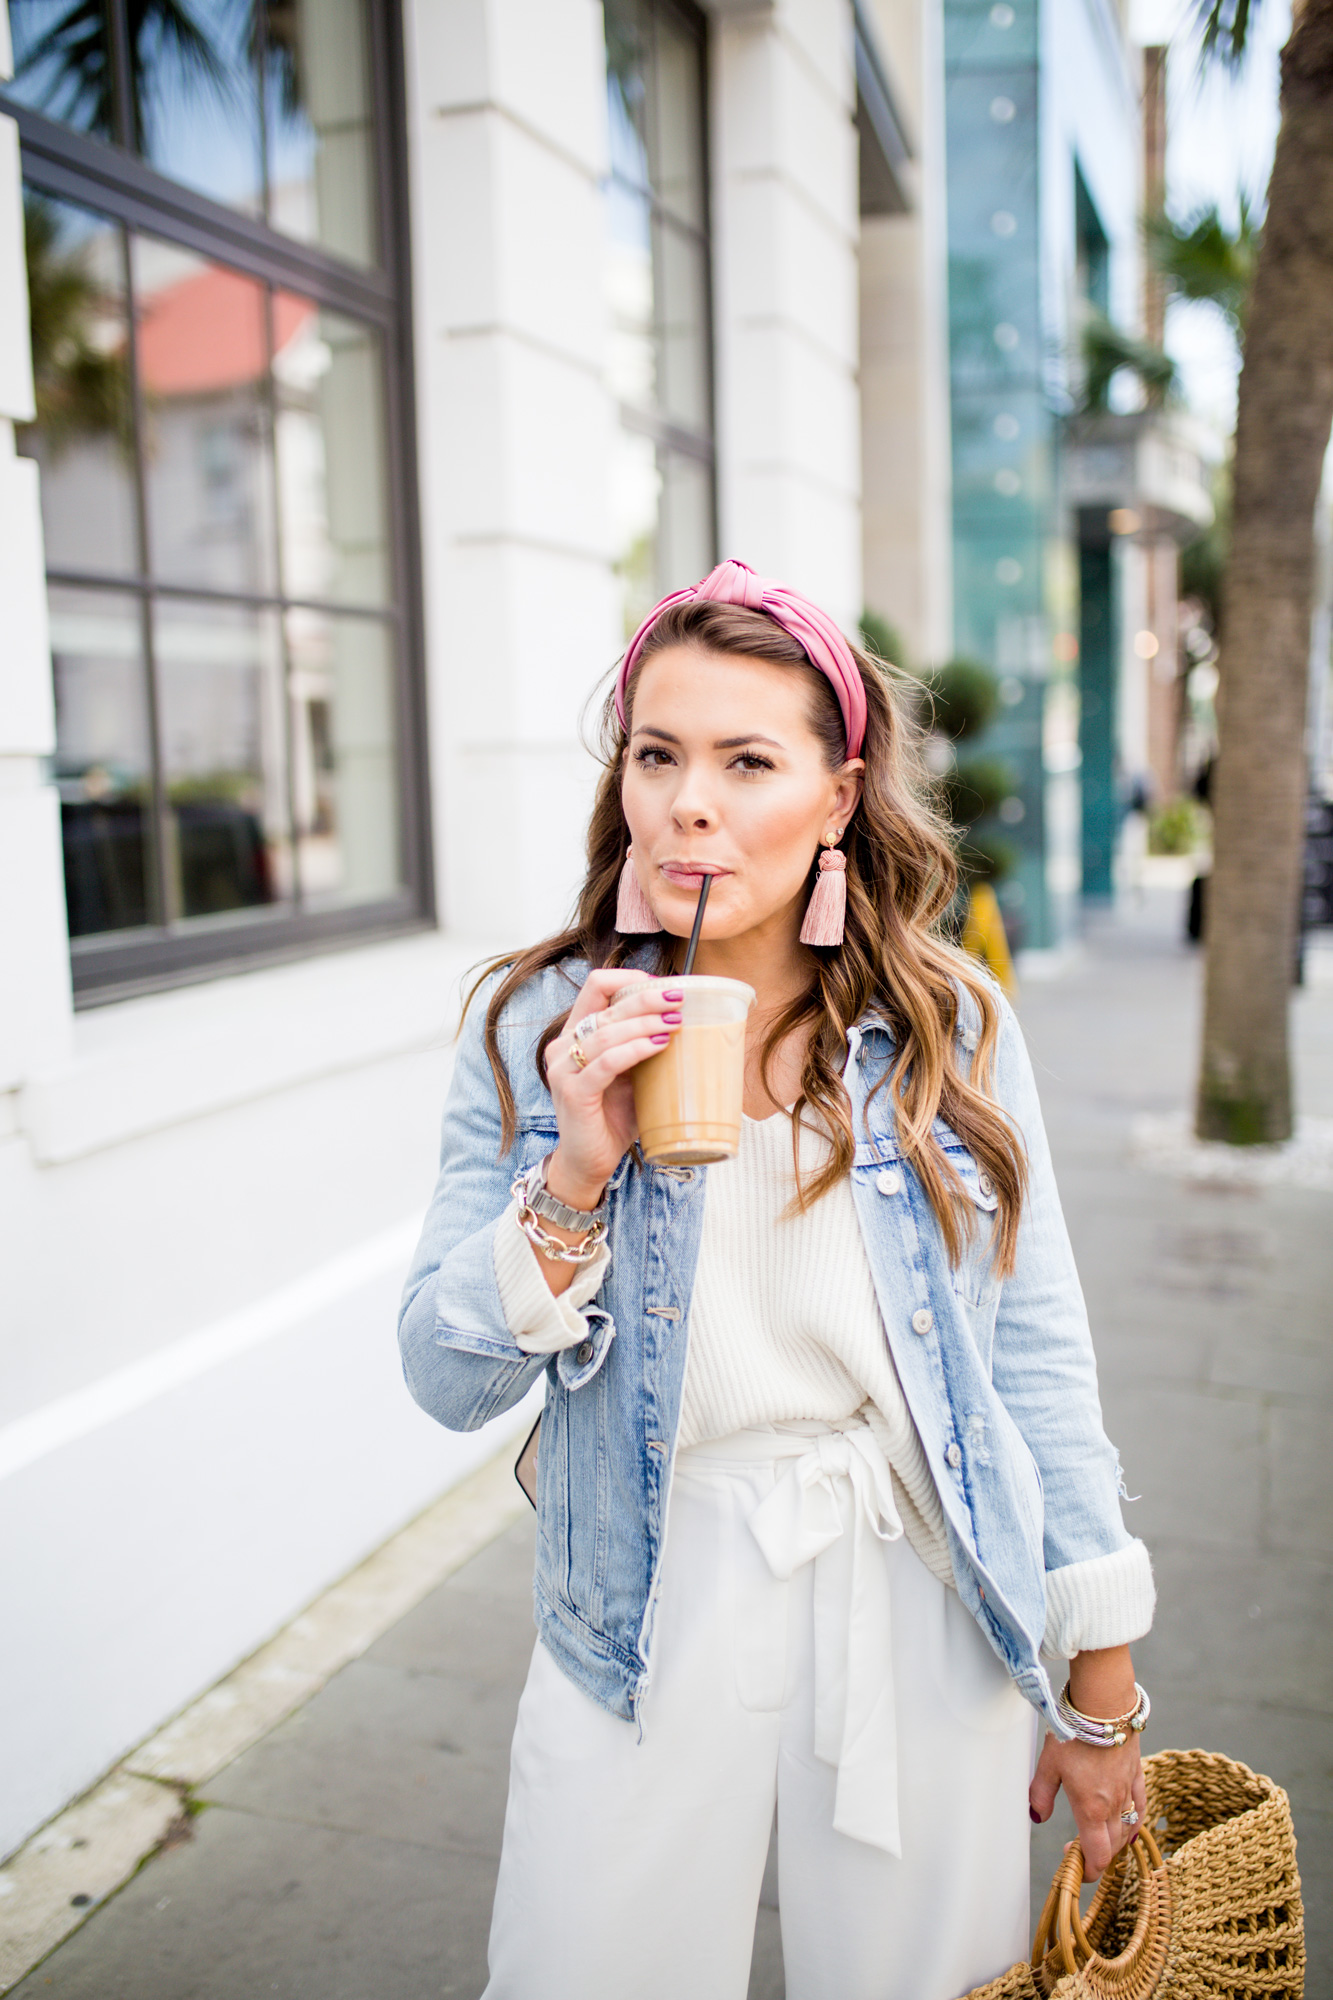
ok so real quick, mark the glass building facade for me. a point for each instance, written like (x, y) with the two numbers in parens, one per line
(1003, 426)
(1026, 258)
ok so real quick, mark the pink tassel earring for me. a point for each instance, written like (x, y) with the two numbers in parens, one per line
(634, 912)
(826, 914)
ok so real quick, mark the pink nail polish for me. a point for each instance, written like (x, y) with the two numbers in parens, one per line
(672, 1019)
(673, 993)
(1034, 1815)
(1134, 1836)
(661, 1040)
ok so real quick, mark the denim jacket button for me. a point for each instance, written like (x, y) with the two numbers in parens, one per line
(923, 1320)
(986, 1184)
(890, 1181)
(954, 1456)
(584, 1353)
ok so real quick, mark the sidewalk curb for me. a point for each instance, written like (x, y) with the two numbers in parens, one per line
(70, 1867)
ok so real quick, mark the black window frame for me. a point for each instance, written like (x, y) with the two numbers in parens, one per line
(94, 174)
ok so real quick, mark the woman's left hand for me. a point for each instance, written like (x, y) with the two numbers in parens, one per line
(1101, 1786)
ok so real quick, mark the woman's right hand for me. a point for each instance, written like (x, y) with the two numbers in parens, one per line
(594, 1106)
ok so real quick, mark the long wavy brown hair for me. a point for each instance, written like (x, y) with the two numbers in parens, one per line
(893, 961)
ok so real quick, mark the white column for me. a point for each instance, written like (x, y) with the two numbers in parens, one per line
(508, 141)
(35, 1008)
(785, 226)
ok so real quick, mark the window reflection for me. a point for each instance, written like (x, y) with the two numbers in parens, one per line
(628, 56)
(83, 435)
(195, 98)
(678, 120)
(632, 365)
(636, 493)
(62, 62)
(659, 364)
(318, 104)
(220, 695)
(662, 514)
(688, 536)
(263, 105)
(332, 499)
(681, 273)
(103, 763)
(202, 354)
(344, 759)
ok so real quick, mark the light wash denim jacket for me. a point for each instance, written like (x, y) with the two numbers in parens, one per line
(999, 1377)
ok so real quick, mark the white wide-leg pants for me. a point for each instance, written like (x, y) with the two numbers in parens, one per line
(632, 1866)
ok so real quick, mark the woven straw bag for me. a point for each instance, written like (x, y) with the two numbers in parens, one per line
(1215, 1911)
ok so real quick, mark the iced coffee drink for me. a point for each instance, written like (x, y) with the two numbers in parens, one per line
(688, 1099)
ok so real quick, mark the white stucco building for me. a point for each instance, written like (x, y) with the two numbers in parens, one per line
(370, 396)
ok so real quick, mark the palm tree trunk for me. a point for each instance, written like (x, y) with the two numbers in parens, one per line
(1282, 432)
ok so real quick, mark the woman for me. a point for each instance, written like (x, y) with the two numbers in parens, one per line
(812, 1571)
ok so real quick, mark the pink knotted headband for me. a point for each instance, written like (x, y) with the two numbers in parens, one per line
(813, 630)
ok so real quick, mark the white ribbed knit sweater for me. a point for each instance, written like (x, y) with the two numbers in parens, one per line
(785, 1323)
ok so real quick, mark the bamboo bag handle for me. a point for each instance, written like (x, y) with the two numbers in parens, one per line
(1136, 1971)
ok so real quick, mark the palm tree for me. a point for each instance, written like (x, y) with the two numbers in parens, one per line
(80, 380)
(1284, 416)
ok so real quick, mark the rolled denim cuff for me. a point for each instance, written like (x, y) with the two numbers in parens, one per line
(540, 1322)
(1106, 1601)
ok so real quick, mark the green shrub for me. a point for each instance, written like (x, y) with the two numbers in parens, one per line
(964, 696)
(885, 641)
(970, 791)
(984, 857)
(1174, 827)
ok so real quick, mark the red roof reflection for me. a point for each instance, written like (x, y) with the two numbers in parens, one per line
(206, 332)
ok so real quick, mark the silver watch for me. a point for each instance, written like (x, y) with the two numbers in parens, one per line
(543, 1203)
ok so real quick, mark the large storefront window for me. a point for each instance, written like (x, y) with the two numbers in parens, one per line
(658, 278)
(219, 346)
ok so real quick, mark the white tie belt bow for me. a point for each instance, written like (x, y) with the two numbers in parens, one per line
(831, 1505)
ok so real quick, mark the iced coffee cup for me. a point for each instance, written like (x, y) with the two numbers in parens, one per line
(688, 1099)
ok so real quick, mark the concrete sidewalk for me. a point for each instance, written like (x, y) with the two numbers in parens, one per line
(351, 1854)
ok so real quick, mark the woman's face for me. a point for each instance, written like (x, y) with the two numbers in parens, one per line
(725, 776)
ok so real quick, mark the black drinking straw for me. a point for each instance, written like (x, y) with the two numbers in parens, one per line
(698, 926)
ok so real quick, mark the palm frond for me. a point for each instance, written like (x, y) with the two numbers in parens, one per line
(1226, 28)
(73, 53)
(1107, 349)
(163, 33)
(1200, 258)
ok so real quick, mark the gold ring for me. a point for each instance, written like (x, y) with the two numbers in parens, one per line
(577, 1057)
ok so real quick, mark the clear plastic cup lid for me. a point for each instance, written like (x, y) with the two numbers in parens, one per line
(708, 998)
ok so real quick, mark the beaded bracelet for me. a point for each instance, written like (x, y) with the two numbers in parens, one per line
(1105, 1733)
